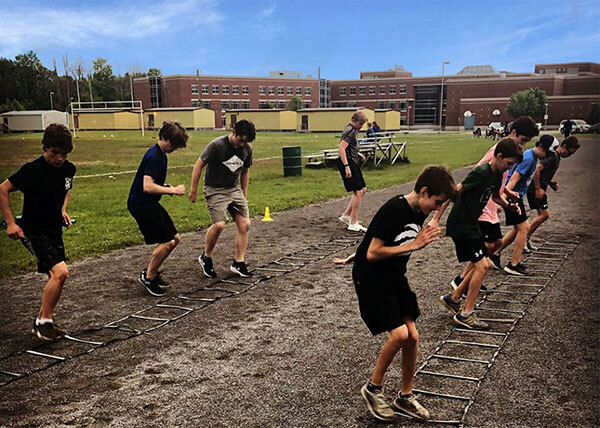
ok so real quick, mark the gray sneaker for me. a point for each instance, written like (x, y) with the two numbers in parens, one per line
(377, 405)
(471, 322)
(410, 406)
(450, 304)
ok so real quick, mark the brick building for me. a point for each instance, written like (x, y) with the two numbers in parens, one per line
(571, 89)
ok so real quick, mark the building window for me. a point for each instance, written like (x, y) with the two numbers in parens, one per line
(263, 105)
(362, 90)
(307, 91)
(353, 91)
(371, 90)
(306, 104)
(281, 104)
(271, 90)
(381, 104)
(195, 89)
(226, 89)
(280, 90)
(245, 105)
(205, 89)
(403, 89)
(244, 90)
(382, 90)
(393, 105)
(351, 103)
(262, 90)
(403, 105)
(224, 121)
(290, 90)
(215, 89)
(206, 104)
(195, 103)
(224, 105)
(235, 90)
(235, 105)
(392, 89)
(343, 92)
(298, 91)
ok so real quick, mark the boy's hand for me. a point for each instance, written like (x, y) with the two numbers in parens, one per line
(433, 223)
(14, 231)
(360, 155)
(554, 185)
(512, 194)
(348, 172)
(66, 220)
(514, 207)
(179, 190)
(539, 193)
(426, 236)
(192, 197)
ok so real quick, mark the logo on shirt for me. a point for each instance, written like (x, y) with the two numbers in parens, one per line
(487, 193)
(68, 183)
(407, 235)
(233, 163)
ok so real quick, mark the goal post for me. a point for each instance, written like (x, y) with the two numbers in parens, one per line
(87, 107)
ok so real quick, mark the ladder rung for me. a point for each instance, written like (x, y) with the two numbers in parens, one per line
(231, 292)
(202, 299)
(500, 320)
(274, 270)
(512, 302)
(525, 293)
(427, 372)
(41, 354)
(464, 360)
(519, 284)
(228, 281)
(489, 333)
(74, 339)
(10, 373)
(438, 394)
(183, 308)
(483, 345)
(507, 311)
(149, 318)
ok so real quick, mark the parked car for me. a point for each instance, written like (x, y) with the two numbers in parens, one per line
(496, 126)
(579, 125)
(594, 129)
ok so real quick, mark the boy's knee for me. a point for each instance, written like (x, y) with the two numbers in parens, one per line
(482, 265)
(399, 335)
(219, 226)
(523, 227)
(244, 224)
(545, 215)
(176, 240)
(60, 272)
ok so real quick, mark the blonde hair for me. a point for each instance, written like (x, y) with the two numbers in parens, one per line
(359, 116)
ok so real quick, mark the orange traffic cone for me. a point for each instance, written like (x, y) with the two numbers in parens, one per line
(267, 216)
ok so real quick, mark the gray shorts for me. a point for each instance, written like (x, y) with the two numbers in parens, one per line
(219, 200)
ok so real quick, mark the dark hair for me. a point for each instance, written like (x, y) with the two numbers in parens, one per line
(509, 148)
(571, 142)
(438, 181)
(246, 128)
(58, 136)
(173, 132)
(545, 142)
(526, 126)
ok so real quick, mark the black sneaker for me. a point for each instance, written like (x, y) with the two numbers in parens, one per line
(518, 269)
(151, 285)
(159, 280)
(207, 266)
(240, 268)
(47, 331)
(495, 259)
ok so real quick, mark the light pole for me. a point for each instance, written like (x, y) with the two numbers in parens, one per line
(442, 93)
(51, 102)
(546, 117)
(408, 118)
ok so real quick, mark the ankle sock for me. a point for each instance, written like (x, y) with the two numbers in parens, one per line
(374, 388)
(39, 321)
(464, 314)
(405, 395)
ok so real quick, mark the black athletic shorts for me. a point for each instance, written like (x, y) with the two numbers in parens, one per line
(49, 249)
(469, 249)
(490, 231)
(535, 203)
(155, 224)
(354, 183)
(385, 304)
(512, 218)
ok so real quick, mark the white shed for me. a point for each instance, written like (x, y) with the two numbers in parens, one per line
(32, 120)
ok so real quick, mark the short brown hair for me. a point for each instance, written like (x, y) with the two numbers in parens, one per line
(359, 116)
(571, 142)
(58, 136)
(509, 148)
(173, 132)
(438, 181)
(525, 126)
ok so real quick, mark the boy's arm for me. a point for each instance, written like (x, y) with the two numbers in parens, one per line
(435, 221)
(244, 180)
(514, 179)
(379, 251)
(12, 229)
(344, 158)
(539, 192)
(196, 172)
(65, 216)
(152, 188)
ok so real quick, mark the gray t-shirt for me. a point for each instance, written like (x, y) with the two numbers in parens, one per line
(349, 135)
(224, 163)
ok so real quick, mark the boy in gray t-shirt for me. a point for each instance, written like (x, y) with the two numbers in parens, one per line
(227, 160)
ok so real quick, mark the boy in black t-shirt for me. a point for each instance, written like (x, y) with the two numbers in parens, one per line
(385, 299)
(475, 190)
(46, 186)
(143, 203)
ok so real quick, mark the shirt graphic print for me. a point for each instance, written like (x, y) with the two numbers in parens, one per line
(233, 163)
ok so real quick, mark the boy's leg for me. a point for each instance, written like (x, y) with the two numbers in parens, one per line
(355, 205)
(57, 276)
(160, 253)
(410, 348)
(396, 339)
(212, 236)
(507, 240)
(522, 231)
(473, 284)
(241, 236)
(542, 216)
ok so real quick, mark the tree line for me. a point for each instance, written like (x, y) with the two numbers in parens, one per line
(25, 84)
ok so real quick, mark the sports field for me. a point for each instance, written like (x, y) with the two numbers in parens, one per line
(106, 160)
(292, 351)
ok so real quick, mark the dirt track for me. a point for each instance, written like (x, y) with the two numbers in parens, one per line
(294, 351)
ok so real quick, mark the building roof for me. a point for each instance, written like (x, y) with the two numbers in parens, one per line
(258, 109)
(29, 112)
(334, 109)
(477, 70)
(175, 108)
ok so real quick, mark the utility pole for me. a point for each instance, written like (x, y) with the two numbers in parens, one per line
(442, 93)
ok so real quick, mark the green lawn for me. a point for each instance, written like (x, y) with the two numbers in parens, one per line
(99, 203)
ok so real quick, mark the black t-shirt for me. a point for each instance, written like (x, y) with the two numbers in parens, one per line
(154, 164)
(44, 189)
(395, 223)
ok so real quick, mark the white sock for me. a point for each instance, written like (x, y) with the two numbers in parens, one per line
(39, 321)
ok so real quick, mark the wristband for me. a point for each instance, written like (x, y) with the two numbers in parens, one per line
(345, 165)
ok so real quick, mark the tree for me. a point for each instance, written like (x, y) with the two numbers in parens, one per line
(295, 103)
(529, 102)
(594, 116)
(104, 82)
(154, 72)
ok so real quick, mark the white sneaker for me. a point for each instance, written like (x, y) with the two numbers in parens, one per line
(356, 227)
(344, 219)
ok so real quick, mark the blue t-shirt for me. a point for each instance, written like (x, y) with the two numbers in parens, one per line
(154, 164)
(526, 168)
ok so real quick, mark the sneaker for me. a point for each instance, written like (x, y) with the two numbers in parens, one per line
(241, 269)
(450, 304)
(471, 322)
(495, 258)
(344, 219)
(410, 406)
(159, 280)
(356, 227)
(377, 405)
(530, 246)
(151, 285)
(518, 269)
(47, 331)
(207, 266)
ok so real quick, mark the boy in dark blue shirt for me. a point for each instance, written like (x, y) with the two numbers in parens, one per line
(144, 203)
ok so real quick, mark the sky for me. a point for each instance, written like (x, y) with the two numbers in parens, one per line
(253, 37)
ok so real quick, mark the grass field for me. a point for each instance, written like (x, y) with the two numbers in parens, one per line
(99, 203)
